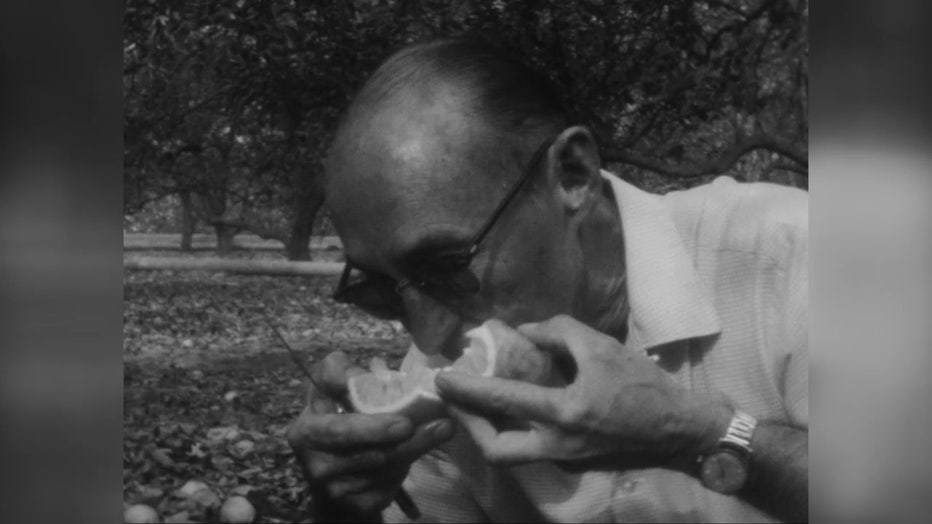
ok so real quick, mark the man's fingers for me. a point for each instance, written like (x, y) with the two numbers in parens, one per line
(321, 405)
(354, 484)
(505, 447)
(327, 465)
(331, 373)
(565, 337)
(481, 430)
(426, 437)
(511, 398)
(560, 335)
(368, 502)
(343, 486)
(545, 337)
(331, 432)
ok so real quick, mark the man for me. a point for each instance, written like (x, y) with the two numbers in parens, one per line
(462, 193)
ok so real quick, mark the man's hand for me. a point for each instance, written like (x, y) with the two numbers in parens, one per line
(355, 463)
(621, 409)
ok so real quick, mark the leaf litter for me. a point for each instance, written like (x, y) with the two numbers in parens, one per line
(209, 390)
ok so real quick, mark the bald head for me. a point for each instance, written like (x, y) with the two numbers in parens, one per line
(494, 85)
(475, 82)
(449, 113)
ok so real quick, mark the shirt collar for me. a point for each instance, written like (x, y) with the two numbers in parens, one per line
(668, 301)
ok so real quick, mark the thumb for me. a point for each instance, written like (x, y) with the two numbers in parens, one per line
(555, 343)
(331, 373)
(562, 336)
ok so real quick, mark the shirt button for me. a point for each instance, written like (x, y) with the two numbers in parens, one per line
(630, 485)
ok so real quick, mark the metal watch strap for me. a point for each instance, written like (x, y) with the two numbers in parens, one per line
(739, 433)
(725, 469)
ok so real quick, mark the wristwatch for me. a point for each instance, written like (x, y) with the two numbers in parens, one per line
(725, 470)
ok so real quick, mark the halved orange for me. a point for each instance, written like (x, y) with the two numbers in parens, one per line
(494, 350)
(386, 391)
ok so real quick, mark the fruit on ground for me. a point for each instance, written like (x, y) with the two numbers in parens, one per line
(237, 510)
(190, 488)
(494, 350)
(197, 496)
(140, 514)
(204, 498)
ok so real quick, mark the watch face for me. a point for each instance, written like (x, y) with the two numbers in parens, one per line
(724, 472)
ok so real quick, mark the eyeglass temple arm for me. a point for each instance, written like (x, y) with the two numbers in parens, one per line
(474, 245)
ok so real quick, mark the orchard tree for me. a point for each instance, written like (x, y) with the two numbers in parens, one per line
(680, 89)
(230, 103)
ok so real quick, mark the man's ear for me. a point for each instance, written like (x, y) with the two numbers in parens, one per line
(574, 162)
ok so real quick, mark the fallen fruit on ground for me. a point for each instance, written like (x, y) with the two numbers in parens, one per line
(237, 510)
(140, 514)
(197, 496)
(204, 498)
(190, 488)
(494, 349)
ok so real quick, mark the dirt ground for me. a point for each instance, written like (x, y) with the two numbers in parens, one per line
(209, 390)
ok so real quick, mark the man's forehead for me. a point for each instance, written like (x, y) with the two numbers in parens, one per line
(405, 168)
(420, 193)
(413, 168)
(403, 239)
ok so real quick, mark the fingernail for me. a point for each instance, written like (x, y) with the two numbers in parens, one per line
(442, 429)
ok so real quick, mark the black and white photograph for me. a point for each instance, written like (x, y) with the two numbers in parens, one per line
(465, 261)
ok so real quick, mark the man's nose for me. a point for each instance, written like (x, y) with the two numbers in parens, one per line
(435, 328)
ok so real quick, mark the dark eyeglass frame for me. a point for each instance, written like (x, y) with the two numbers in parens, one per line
(458, 259)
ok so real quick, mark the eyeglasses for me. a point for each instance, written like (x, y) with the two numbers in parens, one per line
(446, 277)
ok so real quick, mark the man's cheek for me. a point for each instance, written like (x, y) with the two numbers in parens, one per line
(533, 301)
(552, 282)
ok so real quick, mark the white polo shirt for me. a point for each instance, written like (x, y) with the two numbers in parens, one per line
(718, 287)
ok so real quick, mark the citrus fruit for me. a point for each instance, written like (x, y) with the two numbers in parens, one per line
(190, 488)
(237, 510)
(385, 391)
(494, 350)
(197, 496)
(140, 514)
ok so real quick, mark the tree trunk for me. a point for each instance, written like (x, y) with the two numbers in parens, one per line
(299, 242)
(225, 235)
(188, 222)
(217, 206)
(298, 246)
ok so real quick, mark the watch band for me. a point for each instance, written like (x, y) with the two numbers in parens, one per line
(726, 469)
(739, 433)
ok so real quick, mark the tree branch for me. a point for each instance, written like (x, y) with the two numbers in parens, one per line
(785, 166)
(716, 165)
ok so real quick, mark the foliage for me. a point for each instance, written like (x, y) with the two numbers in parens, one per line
(235, 101)
(681, 88)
